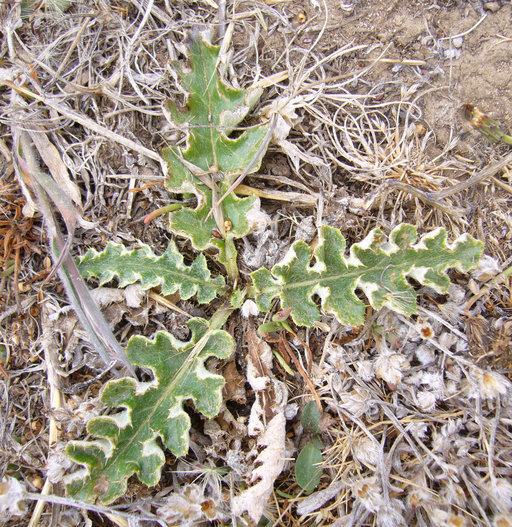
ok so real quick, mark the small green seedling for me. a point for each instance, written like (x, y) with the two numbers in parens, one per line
(308, 470)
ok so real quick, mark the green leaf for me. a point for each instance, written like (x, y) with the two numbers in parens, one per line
(213, 112)
(377, 266)
(308, 471)
(129, 441)
(141, 265)
(310, 417)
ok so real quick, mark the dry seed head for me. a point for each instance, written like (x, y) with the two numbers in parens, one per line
(57, 465)
(258, 219)
(12, 493)
(426, 401)
(424, 329)
(424, 354)
(366, 451)
(488, 384)
(501, 492)
(366, 370)
(388, 367)
(487, 268)
(357, 402)
(390, 515)
(452, 493)
(419, 495)
(442, 518)
(502, 520)
(368, 493)
(249, 309)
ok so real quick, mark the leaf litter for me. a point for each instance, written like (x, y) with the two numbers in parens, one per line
(419, 420)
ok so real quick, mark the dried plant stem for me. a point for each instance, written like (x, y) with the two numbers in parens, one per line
(88, 123)
(298, 198)
(473, 180)
(56, 401)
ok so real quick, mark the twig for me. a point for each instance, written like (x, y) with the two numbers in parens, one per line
(473, 180)
(464, 33)
(88, 123)
(55, 403)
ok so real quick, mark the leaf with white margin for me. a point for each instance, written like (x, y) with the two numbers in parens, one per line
(129, 441)
(212, 113)
(142, 265)
(377, 266)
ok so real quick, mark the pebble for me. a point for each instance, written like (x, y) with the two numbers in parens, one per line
(492, 6)
(457, 42)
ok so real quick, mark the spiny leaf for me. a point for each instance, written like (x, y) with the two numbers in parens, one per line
(376, 266)
(212, 114)
(142, 265)
(129, 441)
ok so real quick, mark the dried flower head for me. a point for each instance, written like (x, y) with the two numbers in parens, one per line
(487, 268)
(367, 492)
(12, 493)
(187, 507)
(258, 219)
(487, 384)
(388, 367)
(366, 370)
(424, 328)
(426, 401)
(500, 491)
(366, 450)
(249, 309)
(357, 402)
(390, 515)
(502, 520)
(58, 464)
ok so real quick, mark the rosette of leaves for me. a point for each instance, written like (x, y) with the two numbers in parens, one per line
(377, 266)
(212, 159)
(129, 442)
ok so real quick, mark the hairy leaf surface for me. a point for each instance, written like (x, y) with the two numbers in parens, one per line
(142, 265)
(212, 159)
(376, 266)
(129, 441)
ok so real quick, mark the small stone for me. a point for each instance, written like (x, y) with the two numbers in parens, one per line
(457, 42)
(492, 6)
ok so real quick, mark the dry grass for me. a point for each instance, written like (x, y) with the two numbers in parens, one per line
(419, 421)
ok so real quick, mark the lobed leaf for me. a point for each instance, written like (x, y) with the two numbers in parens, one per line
(213, 112)
(129, 441)
(376, 266)
(142, 265)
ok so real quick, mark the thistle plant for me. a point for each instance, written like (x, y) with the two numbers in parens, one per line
(149, 416)
(212, 160)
